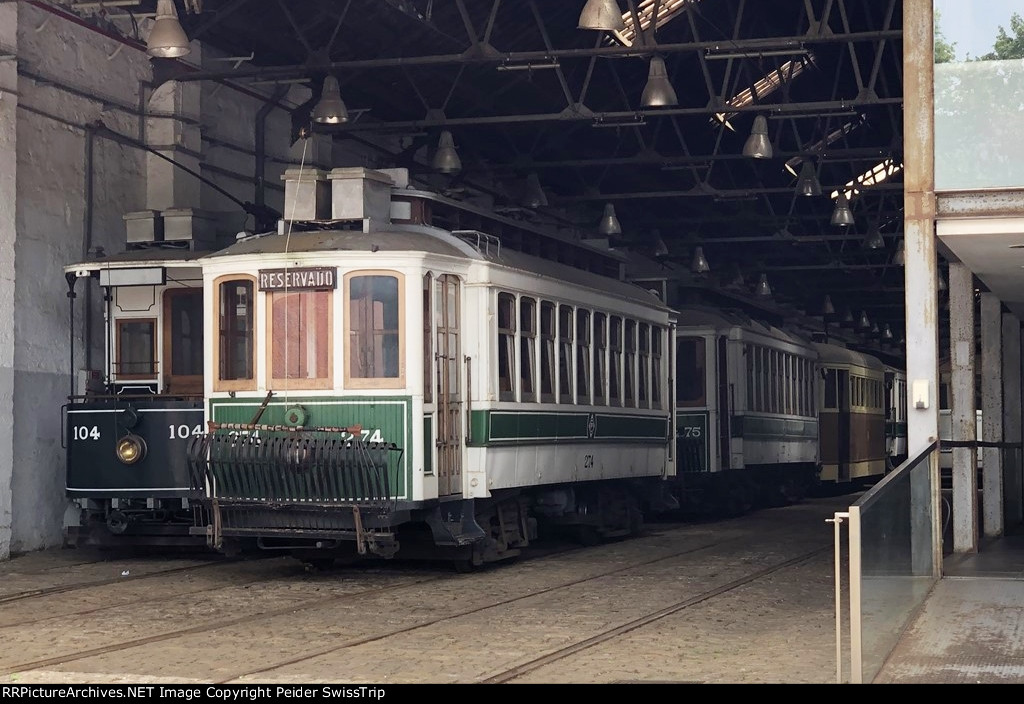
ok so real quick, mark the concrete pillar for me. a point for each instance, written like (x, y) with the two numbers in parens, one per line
(920, 272)
(991, 415)
(173, 130)
(1011, 419)
(962, 416)
(8, 169)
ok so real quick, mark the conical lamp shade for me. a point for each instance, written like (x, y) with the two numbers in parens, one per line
(899, 258)
(330, 110)
(735, 277)
(602, 14)
(863, 323)
(842, 216)
(609, 224)
(807, 184)
(887, 332)
(827, 308)
(659, 91)
(700, 264)
(758, 146)
(941, 282)
(446, 159)
(874, 239)
(763, 290)
(534, 197)
(167, 40)
(660, 248)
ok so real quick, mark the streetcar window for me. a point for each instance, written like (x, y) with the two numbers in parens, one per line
(582, 356)
(831, 390)
(446, 325)
(428, 349)
(136, 348)
(183, 340)
(643, 387)
(690, 365)
(528, 348)
(565, 394)
(615, 361)
(656, 369)
(373, 344)
(547, 352)
(600, 358)
(235, 335)
(629, 377)
(506, 346)
(300, 338)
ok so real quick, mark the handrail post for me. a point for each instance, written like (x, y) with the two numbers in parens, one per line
(837, 521)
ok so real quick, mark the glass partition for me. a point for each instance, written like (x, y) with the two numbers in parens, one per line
(893, 560)
(979, 87)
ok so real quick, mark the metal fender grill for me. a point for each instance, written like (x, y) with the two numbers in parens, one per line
(325, 483)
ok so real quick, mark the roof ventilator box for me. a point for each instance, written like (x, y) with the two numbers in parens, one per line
(361, 194)
(307, 194)
(143, 226)
(197, 228)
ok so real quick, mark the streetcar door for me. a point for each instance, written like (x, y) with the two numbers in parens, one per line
(447, 360)
(183, 341)
(845, 418)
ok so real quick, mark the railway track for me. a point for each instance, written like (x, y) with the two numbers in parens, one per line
(320, 602)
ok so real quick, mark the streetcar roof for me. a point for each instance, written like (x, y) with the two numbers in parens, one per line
(434, 241)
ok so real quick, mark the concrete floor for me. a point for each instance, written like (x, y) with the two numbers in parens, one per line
(970, 629)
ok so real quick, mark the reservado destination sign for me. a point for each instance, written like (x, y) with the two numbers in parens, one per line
(314, 278)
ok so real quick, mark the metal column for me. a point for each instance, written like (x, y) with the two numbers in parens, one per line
(963, 415)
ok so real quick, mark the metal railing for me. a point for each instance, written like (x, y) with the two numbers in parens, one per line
(894, 551)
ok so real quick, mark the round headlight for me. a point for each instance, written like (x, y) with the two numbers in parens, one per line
(131, 449)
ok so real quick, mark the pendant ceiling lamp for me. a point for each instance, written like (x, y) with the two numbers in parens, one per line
(874, 240)
(330, 110)
(446, 159)
(534, 197)
(763, 290)
(167, 40)
(758, 146)
(827, 309)
(899, 258)
(602, 15)
(658, 92)
(807, 184)
(609, 224)
(842, 216)
(700, 263)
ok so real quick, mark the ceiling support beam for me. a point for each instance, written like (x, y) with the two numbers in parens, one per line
(747, 45)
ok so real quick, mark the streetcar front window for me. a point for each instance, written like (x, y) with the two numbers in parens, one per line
(374, 349)
(690, 378)
(235, 317)
(136, 348)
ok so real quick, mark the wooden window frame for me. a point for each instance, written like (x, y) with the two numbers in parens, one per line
(232, 384)
(658, 337)
(182, 383)
(286, 383)
(384, 382)
(155, 365)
